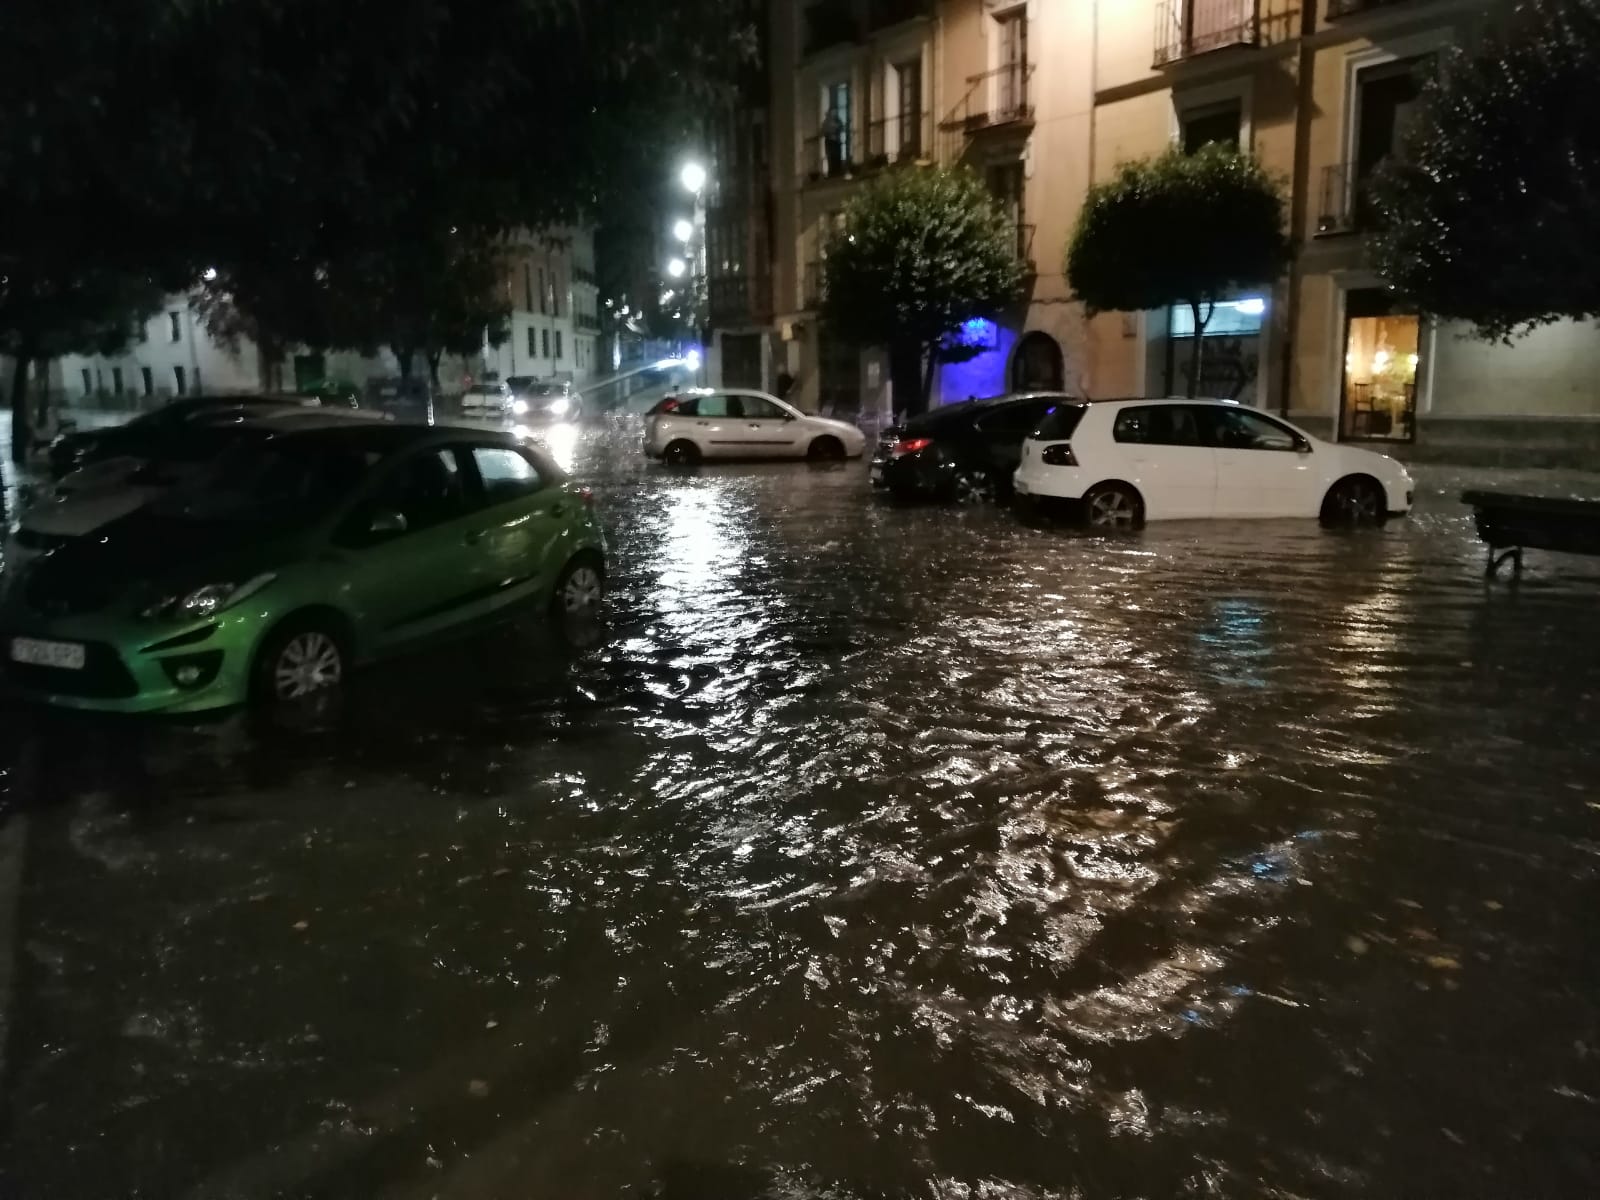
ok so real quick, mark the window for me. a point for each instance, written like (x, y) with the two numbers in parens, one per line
(1011, 98)
(1243, 429)
(88, 382)
(908, 84)
(542, 307)
(834, 128)
(533, 344)
(426, 490)
(558, 343)
(1060, 422)
(1014, 421)
(180, 382)
(756, 409)
(1235, 318)
(148, 378)
(1160, 425)
(1219, 123)
(175, 324)
(506, 475)
(116, 381)
(527, 284)
(545, 341)
(717, 406)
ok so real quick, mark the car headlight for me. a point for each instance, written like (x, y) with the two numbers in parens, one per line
(559, 406)
(519, 408)
(204, 600)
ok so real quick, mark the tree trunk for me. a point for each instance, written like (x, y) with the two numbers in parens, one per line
(905, 375)
(403, 356)
(433, 367)
(267, 352)
(20, 427)
(1197, 353)
(927, 375)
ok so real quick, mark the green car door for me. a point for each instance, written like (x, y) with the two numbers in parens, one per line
(524, 527)
(414, 547)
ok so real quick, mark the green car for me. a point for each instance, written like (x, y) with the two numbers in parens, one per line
(293, 558)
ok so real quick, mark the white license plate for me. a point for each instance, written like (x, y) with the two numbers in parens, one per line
(67, 655)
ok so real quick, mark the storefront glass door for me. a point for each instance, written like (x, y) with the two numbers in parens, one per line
(1382, 352)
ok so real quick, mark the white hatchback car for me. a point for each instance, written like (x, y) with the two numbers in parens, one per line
(731, 423)
(1131, 461)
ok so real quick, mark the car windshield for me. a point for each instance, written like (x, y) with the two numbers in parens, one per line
(540, 390)
(283, 484)
(1060, 422)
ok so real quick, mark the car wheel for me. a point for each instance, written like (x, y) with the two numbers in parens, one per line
(580, 588)
(681, 453)
(1112, 506)
(300, 661)
(1354, 501)
(972, 487)
(825, 449)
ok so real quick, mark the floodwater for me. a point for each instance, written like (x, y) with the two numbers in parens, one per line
(867, 851)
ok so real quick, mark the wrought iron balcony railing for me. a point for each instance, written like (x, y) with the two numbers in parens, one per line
(905, 138)
(1186, 28)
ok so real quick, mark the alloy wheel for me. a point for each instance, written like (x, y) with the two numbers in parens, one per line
(309, 662)
(1111, 510)
(583, 591)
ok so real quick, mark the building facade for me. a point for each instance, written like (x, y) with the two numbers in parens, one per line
(1045, 97)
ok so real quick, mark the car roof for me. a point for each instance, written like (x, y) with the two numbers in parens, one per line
(973, 409)
(385, 437)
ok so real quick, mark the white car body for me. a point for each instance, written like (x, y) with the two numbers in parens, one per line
(1200, 458)
(486, 399)
(741, 423)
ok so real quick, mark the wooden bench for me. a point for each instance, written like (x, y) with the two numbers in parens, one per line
(1509, 524)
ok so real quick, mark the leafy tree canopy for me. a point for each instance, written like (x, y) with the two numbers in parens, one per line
(1179, 229)
(919, 253)
(1491, 212)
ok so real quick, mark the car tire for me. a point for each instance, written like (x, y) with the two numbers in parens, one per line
(970, 487)
(300, 660)
(1355, 500)
(1112, 506)
(681, 453)
(825, 449)
(580, 589)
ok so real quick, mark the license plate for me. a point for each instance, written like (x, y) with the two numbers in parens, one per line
(68, 656)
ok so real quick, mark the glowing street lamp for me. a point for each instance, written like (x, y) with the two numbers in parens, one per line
(683, 230)
(693, 177)
(676, 268)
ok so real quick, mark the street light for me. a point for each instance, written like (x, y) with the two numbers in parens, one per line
(676, 268)
(683, 230)
(693, 177)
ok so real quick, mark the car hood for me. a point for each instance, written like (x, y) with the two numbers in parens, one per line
(840, 427)
(1354, 458)
(141, 557)
(84, 512)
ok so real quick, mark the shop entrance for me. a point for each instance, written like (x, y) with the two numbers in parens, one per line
(1382, 351)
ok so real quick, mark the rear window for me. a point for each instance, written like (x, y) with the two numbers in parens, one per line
(1060, 422)
(683, 406)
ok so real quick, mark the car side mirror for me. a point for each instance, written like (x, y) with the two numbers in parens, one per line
(386, 524)
(1302, 445)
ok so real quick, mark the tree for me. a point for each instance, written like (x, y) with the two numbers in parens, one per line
(252, 136)
(1491, 212)
(1186, 229)
(920, 253)
(44, 315)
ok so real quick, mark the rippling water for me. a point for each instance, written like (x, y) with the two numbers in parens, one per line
(872, 851)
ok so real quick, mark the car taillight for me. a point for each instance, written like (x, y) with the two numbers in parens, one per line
(911, 445)
(668, 406)
(1059, 455)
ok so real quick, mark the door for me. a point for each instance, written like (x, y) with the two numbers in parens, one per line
(521, 513)
(1167, 457)
(1264, 469)
(1002, 433)
(718, 426)
(770, 432)
(406, 577)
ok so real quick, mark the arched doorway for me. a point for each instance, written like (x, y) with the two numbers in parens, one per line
(1037, 366)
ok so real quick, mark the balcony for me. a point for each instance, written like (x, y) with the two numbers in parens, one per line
(1346, 201)
(883, 13)
(830, 23)
(1188, 28)
(905, 138)
(1352, 8)
(820, 163)
(999, 99)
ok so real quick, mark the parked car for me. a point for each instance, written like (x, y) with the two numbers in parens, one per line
(960, 451)
(403, 398)
(689, 426)
(83, 501)
(140, 436)
(486, 400)
(1132, 461)
(295, 558)
(544, 399)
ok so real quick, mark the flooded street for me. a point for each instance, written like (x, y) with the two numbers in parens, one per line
(868, 851)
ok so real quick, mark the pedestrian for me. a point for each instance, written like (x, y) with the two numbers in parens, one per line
(833, 141)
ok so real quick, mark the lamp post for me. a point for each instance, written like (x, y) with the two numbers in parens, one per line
(691, 232)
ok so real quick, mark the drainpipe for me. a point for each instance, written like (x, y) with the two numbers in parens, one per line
(1299, 196)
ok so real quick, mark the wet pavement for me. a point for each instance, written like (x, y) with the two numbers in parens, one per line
(867, 851)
